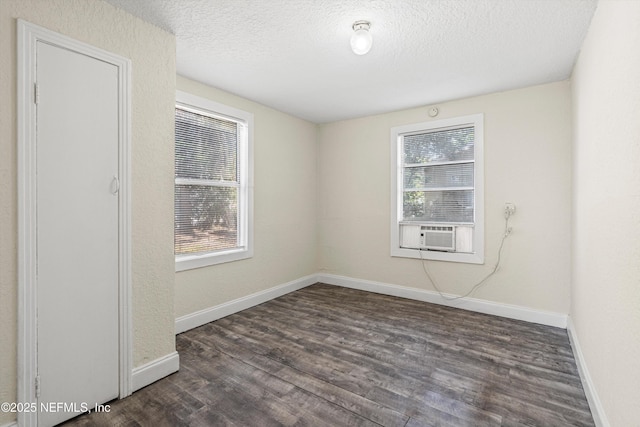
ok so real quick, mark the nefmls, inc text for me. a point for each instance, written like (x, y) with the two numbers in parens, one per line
(52, 407)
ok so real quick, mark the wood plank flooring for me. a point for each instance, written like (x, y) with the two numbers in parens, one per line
(331, 356)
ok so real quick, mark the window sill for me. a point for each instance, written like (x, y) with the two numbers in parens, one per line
(190, 262)
(467, 258)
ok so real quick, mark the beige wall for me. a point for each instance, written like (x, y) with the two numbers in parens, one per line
(284, 210)
(322, 194)
(606, 214)
(527, 162)
(152, 52)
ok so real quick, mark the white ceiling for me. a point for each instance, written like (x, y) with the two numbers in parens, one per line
(294, 55)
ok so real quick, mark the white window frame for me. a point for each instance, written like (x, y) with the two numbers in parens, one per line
(397, 133)
(245, 177)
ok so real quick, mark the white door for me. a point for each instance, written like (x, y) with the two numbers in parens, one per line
(77, 232)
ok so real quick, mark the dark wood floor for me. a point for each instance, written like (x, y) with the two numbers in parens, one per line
(332, 356)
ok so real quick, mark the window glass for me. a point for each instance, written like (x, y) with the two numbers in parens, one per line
(213, 206)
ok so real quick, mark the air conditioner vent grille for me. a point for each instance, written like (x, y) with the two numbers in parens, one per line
(437, 228)
(438, 237)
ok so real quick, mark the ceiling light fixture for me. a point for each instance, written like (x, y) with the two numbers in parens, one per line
(361, 39)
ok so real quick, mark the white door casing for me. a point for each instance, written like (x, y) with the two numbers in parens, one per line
(84, 285)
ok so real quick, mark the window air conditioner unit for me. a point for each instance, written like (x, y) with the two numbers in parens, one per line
(438, 237)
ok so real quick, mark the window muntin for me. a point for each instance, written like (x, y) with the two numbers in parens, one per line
(212, 183)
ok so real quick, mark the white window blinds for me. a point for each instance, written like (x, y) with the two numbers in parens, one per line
(438, 176)
(207, 183)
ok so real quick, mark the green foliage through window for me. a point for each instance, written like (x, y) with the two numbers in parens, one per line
(206, 191)
(438, 176)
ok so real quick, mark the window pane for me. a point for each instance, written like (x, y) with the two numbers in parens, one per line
(438, 206)
(439, 146)
(206, 148)
(206, 219)
(442, 176)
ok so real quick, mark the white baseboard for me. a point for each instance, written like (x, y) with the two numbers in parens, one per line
(597, 411)
(548, 318)
(157, 369)
(202, 317)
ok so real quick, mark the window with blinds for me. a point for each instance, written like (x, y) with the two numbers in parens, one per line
(437, 187)
(438, 173)
(210, 184)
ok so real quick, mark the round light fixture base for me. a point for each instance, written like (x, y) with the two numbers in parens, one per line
(361, 40)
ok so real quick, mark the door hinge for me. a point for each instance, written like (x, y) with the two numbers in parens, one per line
(37, 384)
(36, 93)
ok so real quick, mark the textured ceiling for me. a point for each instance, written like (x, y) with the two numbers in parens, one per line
(294, 55)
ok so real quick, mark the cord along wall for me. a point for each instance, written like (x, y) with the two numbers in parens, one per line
(509, 211)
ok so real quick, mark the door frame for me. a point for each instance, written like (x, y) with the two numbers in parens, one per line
(28, 36)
